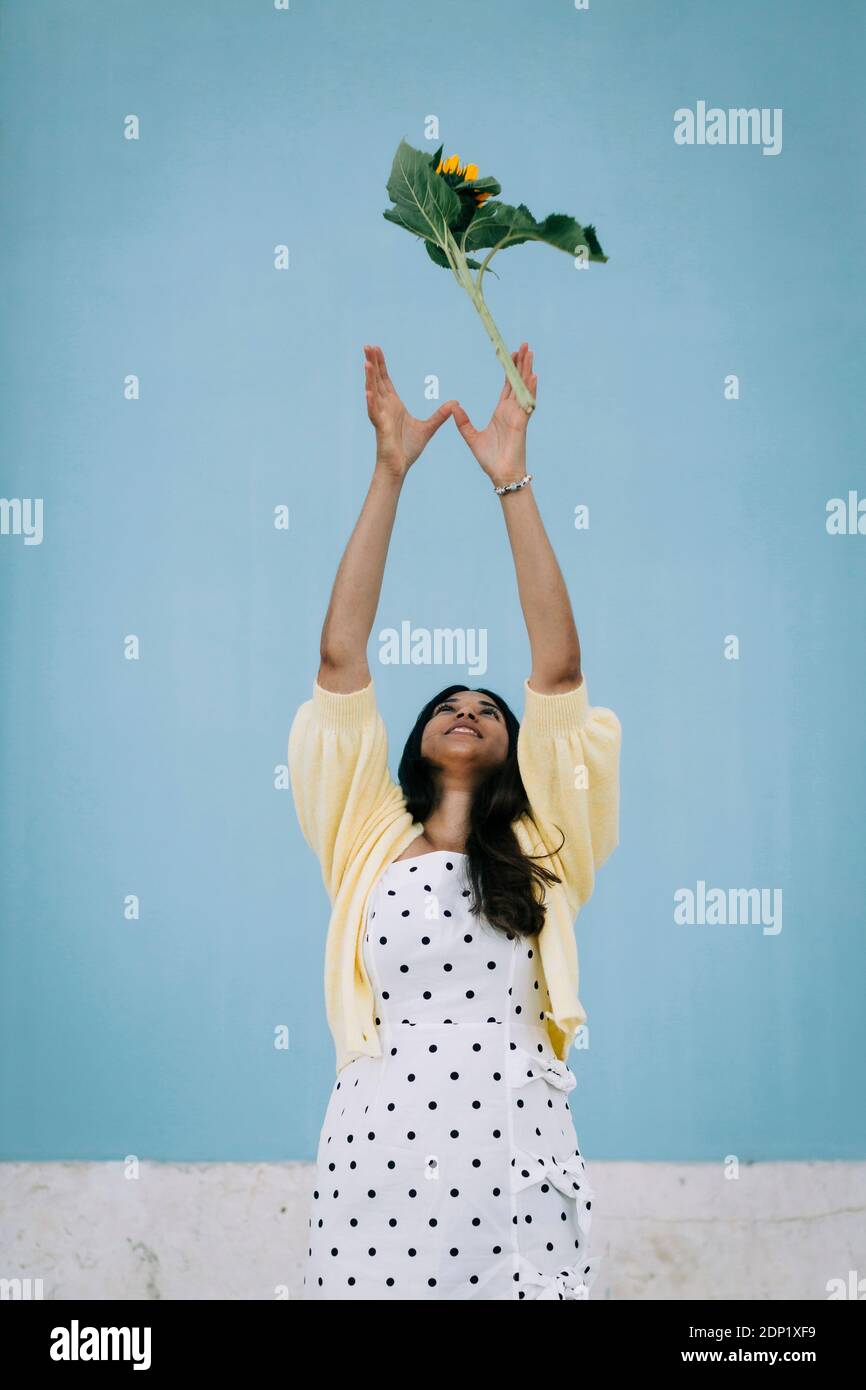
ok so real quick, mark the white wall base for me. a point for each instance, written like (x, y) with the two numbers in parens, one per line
(238, 1230)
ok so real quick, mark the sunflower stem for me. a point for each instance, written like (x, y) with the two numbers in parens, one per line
(473, 289)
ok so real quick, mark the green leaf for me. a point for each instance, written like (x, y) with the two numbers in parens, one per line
(565, 234)
(494, 222)
(499, 224)
(435, 158)
(434, 250)
(438, 255)
(592, 240)
(486, 185)
(403, 218)
(423, 202)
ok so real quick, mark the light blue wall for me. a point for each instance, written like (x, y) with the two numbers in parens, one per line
(157, 777)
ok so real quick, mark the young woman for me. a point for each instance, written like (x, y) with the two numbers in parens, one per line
(448, 1165)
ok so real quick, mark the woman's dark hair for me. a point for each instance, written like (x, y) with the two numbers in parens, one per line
(505, 882)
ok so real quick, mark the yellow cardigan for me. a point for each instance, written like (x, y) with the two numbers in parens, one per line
(353, 815)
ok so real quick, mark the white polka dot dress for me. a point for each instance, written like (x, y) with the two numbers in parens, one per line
(449, 1167)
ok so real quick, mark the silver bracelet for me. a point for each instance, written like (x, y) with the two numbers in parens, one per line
(514, 487)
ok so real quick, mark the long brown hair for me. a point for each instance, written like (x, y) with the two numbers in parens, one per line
(507, 885)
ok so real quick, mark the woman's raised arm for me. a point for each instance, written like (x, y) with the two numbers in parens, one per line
(400, 438)
(501, 451)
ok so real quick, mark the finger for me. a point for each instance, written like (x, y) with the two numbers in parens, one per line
(507, 390)
(445, 409)
(521, 362)
(433, 422)
(381, 373)
(371, 353)
(372, 369)
(463, 423)
(383, 370)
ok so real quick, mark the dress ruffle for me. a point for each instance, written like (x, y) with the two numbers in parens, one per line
(568, 1284)
(567, 1174)
(524, 1067)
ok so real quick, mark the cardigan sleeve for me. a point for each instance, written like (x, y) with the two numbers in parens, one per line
(568, 754)
(338, 766)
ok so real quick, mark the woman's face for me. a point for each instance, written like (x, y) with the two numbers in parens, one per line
(466, 730)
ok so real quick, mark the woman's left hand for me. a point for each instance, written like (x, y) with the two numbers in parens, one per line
(501, 447)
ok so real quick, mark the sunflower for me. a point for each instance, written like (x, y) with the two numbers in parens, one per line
(457, 173)
(454, 228)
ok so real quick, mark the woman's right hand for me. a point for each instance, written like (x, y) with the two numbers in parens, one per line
(400, 437)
